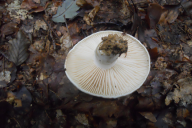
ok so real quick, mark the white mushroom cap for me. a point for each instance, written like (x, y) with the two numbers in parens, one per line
(126, 76)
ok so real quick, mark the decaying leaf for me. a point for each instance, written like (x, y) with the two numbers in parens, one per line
(68, 9)
(82, 119)
(154, 12)
(15, 11)
(8, 28)
(89, 18)
(5, 77)
(149, 116)
(22, 100)
(87, 2)
(18, 50)
(182, 113)
(40, 24)
(113, 11)
(182, 94)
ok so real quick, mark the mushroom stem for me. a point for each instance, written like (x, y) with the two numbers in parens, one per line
(104, 61)
(108, 51)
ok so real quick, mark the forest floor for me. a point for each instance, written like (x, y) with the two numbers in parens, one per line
(35, 40)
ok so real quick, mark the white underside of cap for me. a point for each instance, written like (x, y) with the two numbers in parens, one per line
(127, 75)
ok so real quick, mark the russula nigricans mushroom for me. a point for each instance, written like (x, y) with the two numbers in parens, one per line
(102, 70)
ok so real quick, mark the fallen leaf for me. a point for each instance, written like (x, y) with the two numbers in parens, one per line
(90, 17)
(68, 9)
(16, 12)
(172, 15)
(111, 123)
(37, 9)
(106, 109)
(23, 99)
(182, 94)
(18, 50)
(112, 11)
(5, 76)
(8, 29)
(182, 113)
(148, 38)
(82, 119)
(87, 3)
(153, 53)
(39, 45)
(66, 42)
(40, 24)
(154, 12)
(28, 4)
(149, 116)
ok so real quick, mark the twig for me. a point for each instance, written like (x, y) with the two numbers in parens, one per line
(4, 66)
(68, 30)
(16, 121)
(50, 31)
(48, 115)
(54, 46)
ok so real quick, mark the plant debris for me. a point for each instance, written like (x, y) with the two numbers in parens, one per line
(35, 91)
(113, 44)
(18, 49)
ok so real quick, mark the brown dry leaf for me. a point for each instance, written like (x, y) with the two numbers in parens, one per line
(82, 119)
(149, 116)
(17, 103)
(39, 45)
(33, 7)
(8, 29)
(28, 4)
(38, 9)
(37, 1)
(181, 94)
(112, 11)
(182, 113)
(83, 3)
(93, 2)
(172, 15)
(161, 63)
(153, 53)
(154, 13)
(40, 24)
(90, 17)
(162, 19)
(66, 43)
(168, 119)
(73, 28)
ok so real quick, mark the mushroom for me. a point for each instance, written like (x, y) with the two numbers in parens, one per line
(101, 73)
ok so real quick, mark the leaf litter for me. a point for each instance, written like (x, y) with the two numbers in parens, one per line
(68, 9)
(39, 88)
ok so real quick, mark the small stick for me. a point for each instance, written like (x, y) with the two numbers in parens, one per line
(50, 31)
(4, 66)
(68, 30)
